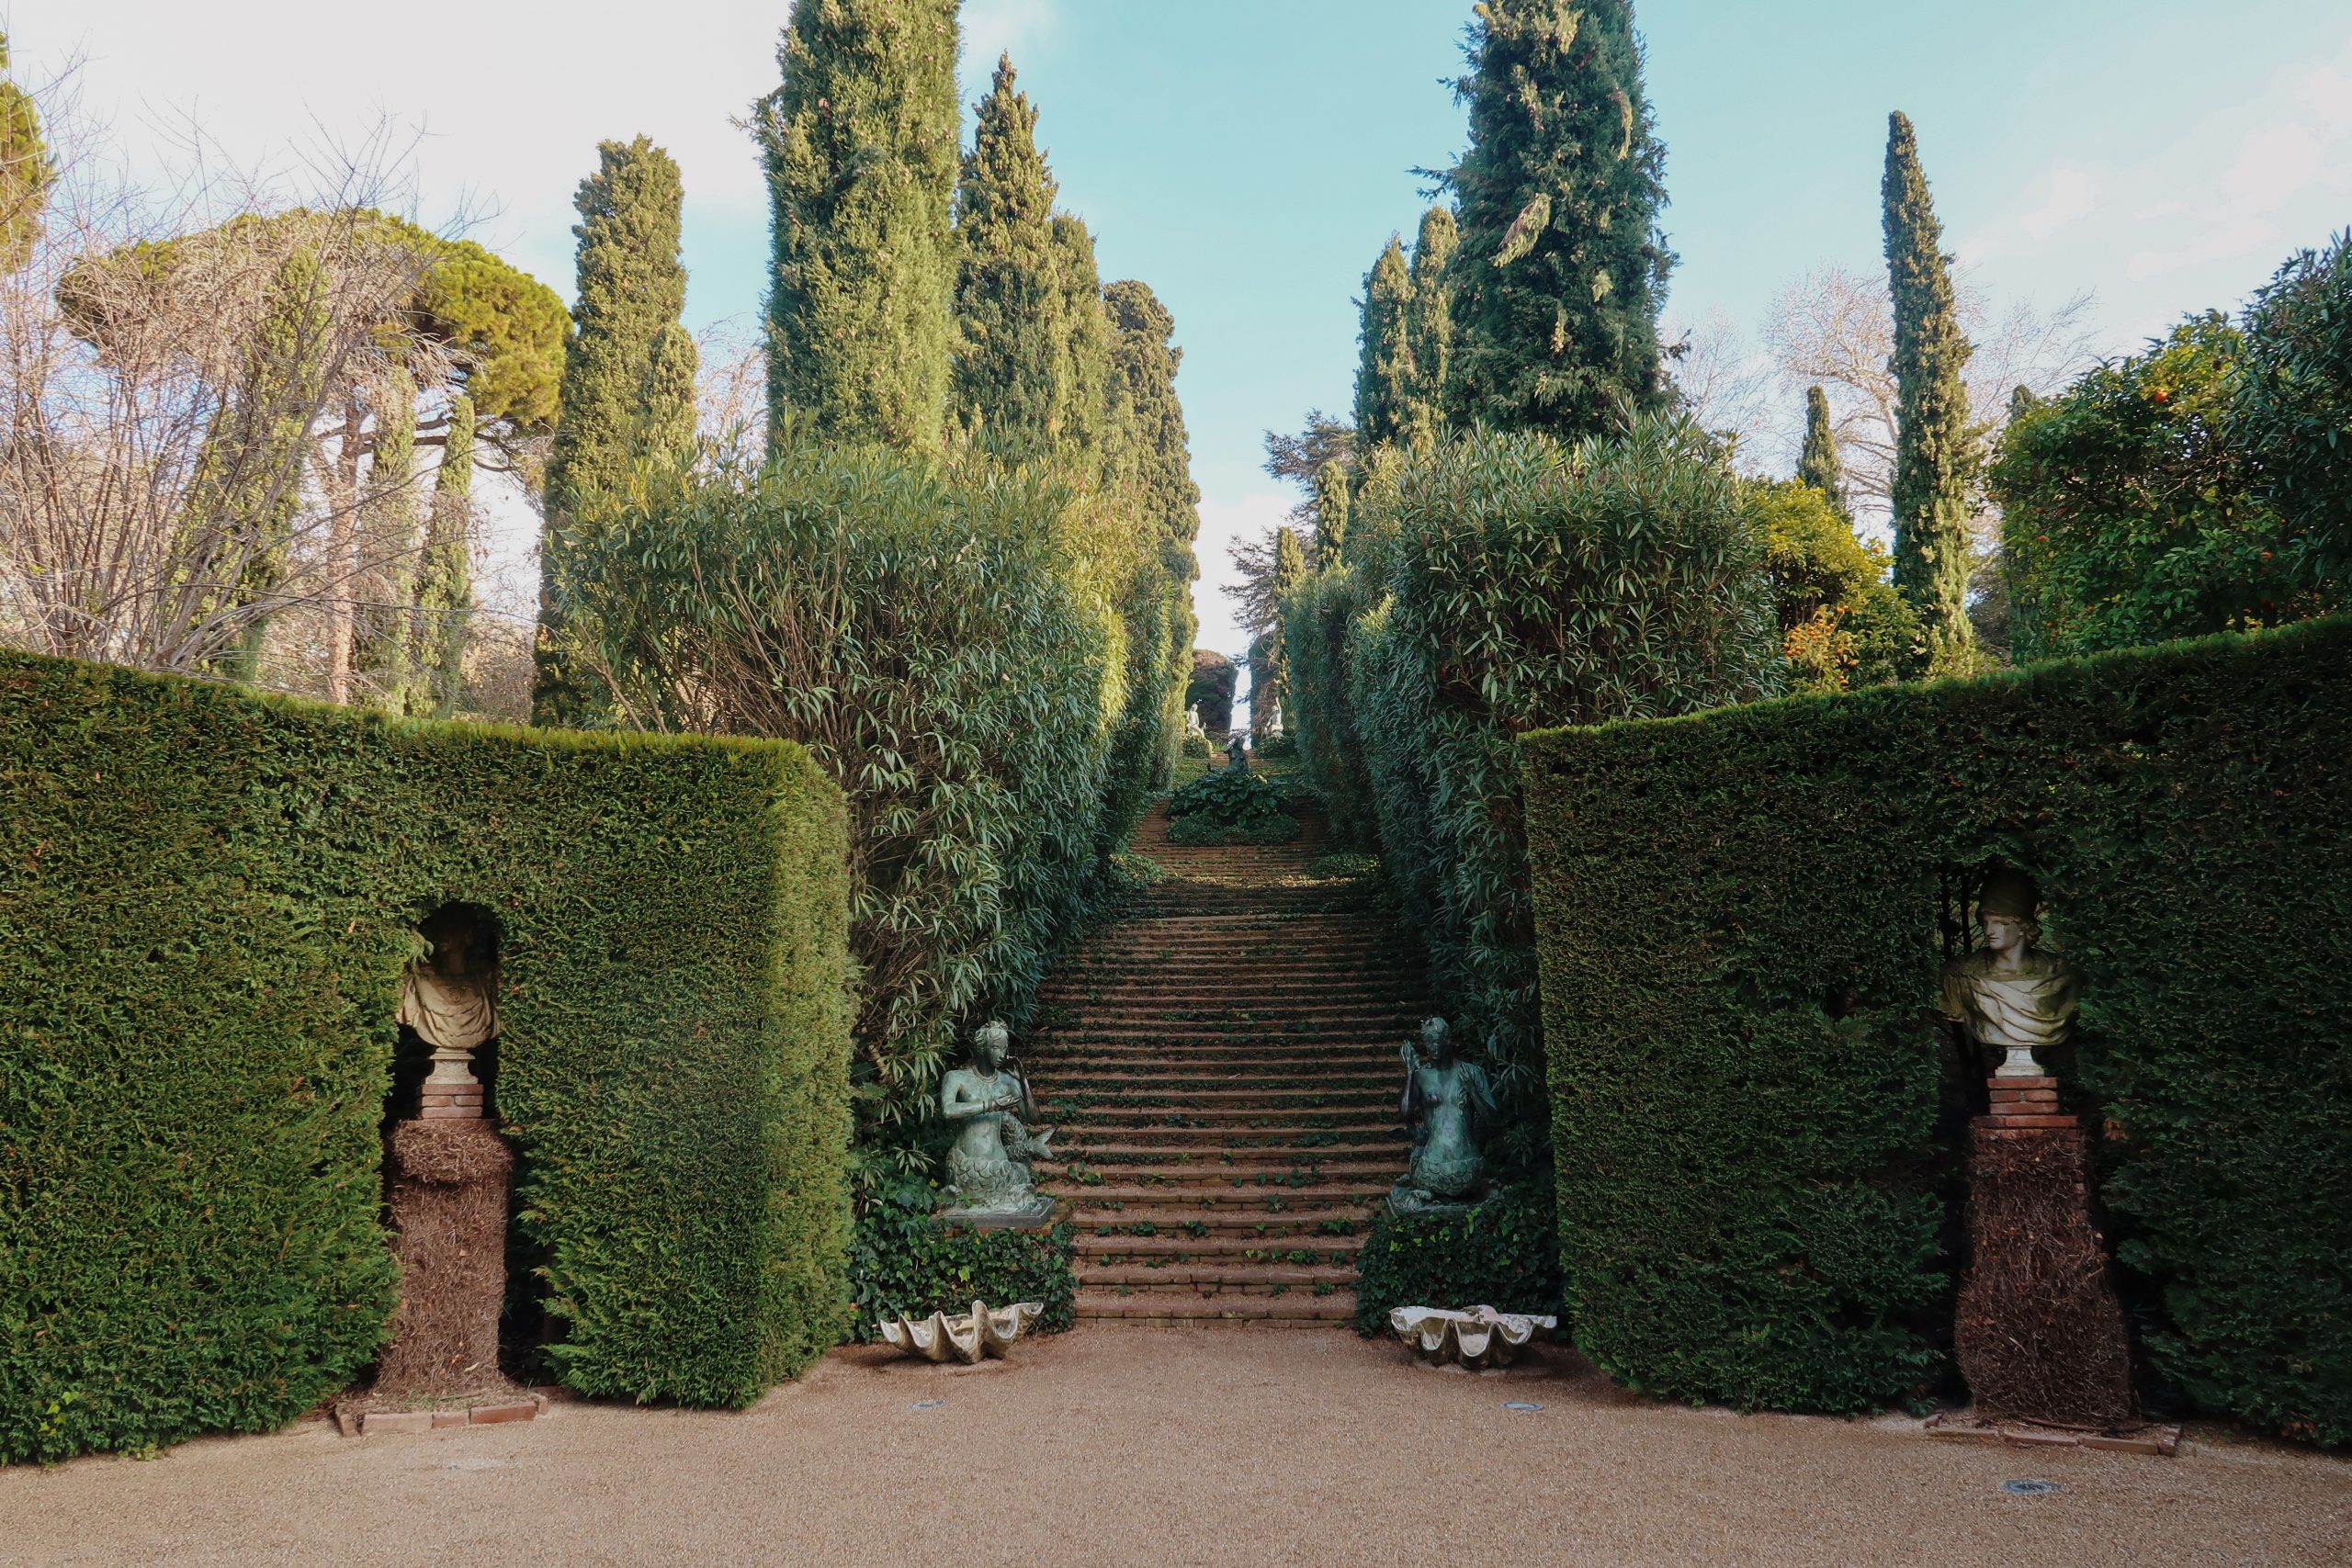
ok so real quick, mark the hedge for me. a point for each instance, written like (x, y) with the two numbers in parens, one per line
(1739, 918)
(1500, 1254)
(903, 1263)
(210, 896)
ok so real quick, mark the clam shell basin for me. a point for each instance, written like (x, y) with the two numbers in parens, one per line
(1478, 1337)
(966, 1336)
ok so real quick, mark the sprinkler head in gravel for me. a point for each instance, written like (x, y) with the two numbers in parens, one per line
(929, 1403)
(1522, 1405)
(2031, 1488)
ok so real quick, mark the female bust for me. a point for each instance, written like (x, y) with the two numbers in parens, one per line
(2010, 995)
(988, 1165)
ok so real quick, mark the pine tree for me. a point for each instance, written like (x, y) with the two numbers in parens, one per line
(1817, 466)
(444, 596)
(1935, 458)
(1385, 379)
(1562, 266)
(1429, 324)
(631, 289)
(1331, 497)
(861, 148)
(26, 170)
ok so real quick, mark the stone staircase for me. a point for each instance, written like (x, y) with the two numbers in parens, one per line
(1221, 1068)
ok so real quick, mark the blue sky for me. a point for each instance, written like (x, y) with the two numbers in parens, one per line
(1248, 158)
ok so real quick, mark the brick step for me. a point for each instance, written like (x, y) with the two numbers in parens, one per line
(1337, 1250)
(1370, 1138)
(1268, 1075)
(1235, 1157)
(1201, 1006)
(1241, 1118)
(1139, 1052)
(1191, 1197)
(1271, 1099)
(1187, 1304)
(1230, 1276)
(1272, 1035)
(1378, 1173)
(1251, 1227)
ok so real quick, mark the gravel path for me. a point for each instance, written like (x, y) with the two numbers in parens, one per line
(1163, 1445)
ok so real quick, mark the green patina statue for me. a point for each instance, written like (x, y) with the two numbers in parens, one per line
(1447, 1105)
(988, 1168)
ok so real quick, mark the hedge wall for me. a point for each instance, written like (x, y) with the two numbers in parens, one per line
(209, 898)
(1739, 917)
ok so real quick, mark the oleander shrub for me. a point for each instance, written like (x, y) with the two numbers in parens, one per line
(1232, 806)
(209, 898)
(2293, 409)
(1501, 1254)
(1742, 917)
(903, 1263)
(1318, 618)
(1529, 584)
(943, 640)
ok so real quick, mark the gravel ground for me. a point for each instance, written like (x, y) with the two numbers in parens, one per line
(1193, 1445)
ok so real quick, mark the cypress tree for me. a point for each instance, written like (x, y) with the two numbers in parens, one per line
(631, 289)
(1331, 495)
(1006, 382)
(444, 596)
(1934, 446)
(1562, 266)
(1155, 459)
(664, 431)
(383, 634)
(860, 144)
(1429, 323)
(1817, 464)
(26, 170)
(1290, 571)
(1385, 381)
(1083, 430)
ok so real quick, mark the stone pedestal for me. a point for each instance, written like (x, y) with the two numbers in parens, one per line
(447, 1190)
(1034, 1214)
(2039, 1334)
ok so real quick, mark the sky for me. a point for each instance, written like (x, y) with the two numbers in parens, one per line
(1248, 158)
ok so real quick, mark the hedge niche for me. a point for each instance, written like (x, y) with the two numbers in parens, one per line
(210, 896)
(1739, 921)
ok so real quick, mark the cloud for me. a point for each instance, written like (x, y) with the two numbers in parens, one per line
(2199, 218)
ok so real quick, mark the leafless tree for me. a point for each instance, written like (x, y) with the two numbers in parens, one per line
(1834, 329)
(1727, 387)
(166, 360)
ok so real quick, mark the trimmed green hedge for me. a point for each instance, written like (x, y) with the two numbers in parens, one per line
(1739, 934)
(208, 898)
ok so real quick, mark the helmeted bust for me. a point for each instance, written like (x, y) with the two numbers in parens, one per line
(2010, 995)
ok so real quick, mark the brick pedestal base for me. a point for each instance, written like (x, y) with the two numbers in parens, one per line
(448, 1195)
(2039, 1334)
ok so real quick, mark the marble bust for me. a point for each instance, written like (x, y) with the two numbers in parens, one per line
(2010, 995)
(1447, 1106)
(987, 1165)
(450, 999)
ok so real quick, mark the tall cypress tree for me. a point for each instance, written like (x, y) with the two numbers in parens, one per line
(1149, 461)
(631, 289)
(1429, 323)
(1817, 464)
(383, 634)
(1385, 381)
(861, 147)
(664, 430)
(1083, 430)
(1935, 458)
(1006, 381)
(1562, 266)
(26, 170)
(1331, 497)
(445, 593)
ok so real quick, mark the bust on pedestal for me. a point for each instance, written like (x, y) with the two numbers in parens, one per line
(2039, 1331)
(988, 1167)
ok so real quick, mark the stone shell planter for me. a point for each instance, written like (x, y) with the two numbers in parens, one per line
(963, 1337)
(1476, 1339)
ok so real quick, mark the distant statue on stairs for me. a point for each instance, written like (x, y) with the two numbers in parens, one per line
(1448, 1105)
(1237, 755)
(988, 1167)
